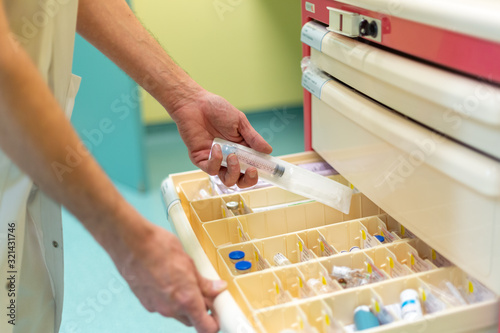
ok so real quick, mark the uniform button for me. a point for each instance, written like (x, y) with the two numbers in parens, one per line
(55, 244)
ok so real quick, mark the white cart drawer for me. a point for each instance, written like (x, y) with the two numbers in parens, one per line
(447, 194)
(461, 107)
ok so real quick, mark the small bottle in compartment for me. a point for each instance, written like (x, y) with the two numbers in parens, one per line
(410, 305)
(236, 256)
(243, 267)
(281, 260)
(234, 207)
(364, 318)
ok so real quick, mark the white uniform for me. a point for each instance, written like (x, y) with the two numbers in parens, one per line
(31, 246)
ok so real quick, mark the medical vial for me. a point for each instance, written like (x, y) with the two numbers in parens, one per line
(364, 318)
(243, 267)
(410, 305)
(354, 249)
(233, 207)
(281, 260)
(236, 256)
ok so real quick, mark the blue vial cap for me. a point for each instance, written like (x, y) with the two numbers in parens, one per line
(236, 255)
(380, 238)
(243, 265)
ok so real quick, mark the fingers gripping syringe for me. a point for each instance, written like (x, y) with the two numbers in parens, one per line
(288, 176)
(253, 159)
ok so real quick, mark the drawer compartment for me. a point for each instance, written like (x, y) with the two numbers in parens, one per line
(334, 313)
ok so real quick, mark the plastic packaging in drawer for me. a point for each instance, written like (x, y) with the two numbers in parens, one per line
(355, 269)
(277, 286)
(412, 304)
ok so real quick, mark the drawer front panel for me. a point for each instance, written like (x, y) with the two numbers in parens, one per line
(464, 108)
(444, 192)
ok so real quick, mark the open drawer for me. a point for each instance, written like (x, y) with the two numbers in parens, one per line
(305, 295)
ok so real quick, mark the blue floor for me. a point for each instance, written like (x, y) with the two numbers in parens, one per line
(96, 299)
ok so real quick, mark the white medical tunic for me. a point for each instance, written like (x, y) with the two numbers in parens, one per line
(31, 245)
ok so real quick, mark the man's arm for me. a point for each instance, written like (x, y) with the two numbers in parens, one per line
(35, 133)
(200, 116)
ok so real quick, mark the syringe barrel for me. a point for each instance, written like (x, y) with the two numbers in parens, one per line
(247, 157)
(288, 176)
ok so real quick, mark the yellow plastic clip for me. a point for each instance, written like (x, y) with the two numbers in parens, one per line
(424, 296)
(327, 320)
(300, 246)
(369, 268)
(322, 246)
(471, 287)
(376, 306)
(403, 230)
(363, 234)
(412, 259)
(391, 262)
(433, 254)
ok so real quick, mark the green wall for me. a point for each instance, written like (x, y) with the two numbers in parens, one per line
(247, 51)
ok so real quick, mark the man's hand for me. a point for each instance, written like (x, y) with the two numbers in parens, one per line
(164, 278)
(206, 116)
(200, 116)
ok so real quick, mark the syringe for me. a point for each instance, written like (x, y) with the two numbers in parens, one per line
(253, 159)
(288, 176)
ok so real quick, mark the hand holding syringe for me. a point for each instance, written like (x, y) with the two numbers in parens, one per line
(288, 176)
(252, 159)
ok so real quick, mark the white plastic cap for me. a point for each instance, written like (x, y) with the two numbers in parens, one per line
(362, 308)
(408, 294)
